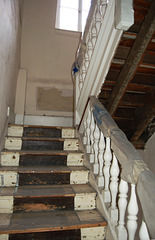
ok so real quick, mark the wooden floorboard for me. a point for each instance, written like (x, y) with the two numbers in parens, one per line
(52, 221)
(47, 190)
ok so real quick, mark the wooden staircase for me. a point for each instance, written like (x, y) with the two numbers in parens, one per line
(45, 191)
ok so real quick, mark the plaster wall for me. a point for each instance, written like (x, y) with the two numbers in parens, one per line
(10, 32)
(47, 54)
(149, 153)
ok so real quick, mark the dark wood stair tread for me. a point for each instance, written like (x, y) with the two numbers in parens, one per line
(39, 126)
(43, 138)
(43, 152)
(47, 221)
(43, 169)
(46, 191)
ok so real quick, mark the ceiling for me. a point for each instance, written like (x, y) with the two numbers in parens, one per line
(128, 92)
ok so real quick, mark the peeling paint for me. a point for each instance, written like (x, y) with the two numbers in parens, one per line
(4, 236)
(15, 131)
(54, 99)
(85, 201)
(68, 133)
(9, 178)
(13, 143)
(79, 177)
(96, 233)
(10, 159)
(71, 144)
(6, 204)
(75, 159)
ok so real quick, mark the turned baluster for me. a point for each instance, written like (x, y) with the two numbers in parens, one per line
(100, 178)
(143, 232)
(93, 32)
(80, 81)
(106, 171)
(77, 87)
(122, 204)
(114, 171)
(98, 17)
(132, 214)
(96, 147)
(90, 46)
(83, 71)
(92, 128)
(85, 135)
(87, 60)
(103, 8)
(88, 130)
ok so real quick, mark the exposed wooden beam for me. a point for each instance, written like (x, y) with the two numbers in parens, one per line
(146, 116)
(129, 68)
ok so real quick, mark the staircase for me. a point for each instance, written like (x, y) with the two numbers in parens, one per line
(45, 191)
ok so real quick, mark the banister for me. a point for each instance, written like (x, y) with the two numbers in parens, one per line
(134, 169)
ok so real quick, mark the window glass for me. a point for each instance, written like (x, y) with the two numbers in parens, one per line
(69, 15)
(69, 3)
(86, 5)
(68, 19)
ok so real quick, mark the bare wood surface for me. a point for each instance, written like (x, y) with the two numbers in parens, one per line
(144, 36)
(58, 220)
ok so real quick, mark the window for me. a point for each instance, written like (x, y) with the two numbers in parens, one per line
(72, 14)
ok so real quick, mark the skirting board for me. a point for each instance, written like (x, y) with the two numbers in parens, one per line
(44, 120)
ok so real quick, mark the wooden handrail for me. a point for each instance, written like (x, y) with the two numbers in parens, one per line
(134, 169)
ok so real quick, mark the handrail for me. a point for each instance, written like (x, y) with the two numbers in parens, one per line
(104, 28)
(115, 162)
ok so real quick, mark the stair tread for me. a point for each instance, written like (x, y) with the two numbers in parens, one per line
(43, 138)
(42, 152)
(39, 126)
(43, 169)
(47, 190)
(47, 221)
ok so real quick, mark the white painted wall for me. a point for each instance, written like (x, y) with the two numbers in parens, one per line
(10, 32)
(47, 54)
(149, 153)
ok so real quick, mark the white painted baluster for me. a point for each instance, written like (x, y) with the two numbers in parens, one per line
(122, 204)
(86, 61)
(90, 46)
(92, 128)
(96, 147)
(83, 72)
(103, 8)
(106, 171)
(114, 171)
(84, 136)
(80, 81)
(132, 214)
(88, 130)
(100, 178)
(77, 87)
(143, 232)
(93, 32)
(98, 17)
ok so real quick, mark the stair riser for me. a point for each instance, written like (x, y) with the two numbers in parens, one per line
(12, 178)
(57, 235)
(19, 131)
(43, 204)
(17, 159)
(33, 204)
(43, 178)
(19, 144)
(92, 233)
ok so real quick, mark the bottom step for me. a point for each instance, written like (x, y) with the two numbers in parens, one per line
(82, 224)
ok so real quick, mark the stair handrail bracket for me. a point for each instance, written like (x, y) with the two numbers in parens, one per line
(124, 180)
(98, 45)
